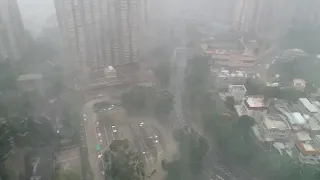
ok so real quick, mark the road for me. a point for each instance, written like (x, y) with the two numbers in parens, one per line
(214, 169)
(92, 139)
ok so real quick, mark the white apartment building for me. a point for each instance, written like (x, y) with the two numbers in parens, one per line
(245, 13)
(99, 33)
(12, 32)
(274, 127)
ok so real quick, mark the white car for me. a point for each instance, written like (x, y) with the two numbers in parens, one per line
(114, 129)
(141, 124)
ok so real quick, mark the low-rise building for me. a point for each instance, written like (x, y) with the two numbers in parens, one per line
(308, 152)
(299, 84)
(296, 120)
(105, 77)
(238, 92)
(224, 78)
(234, 52)
(274, 127)
(303, 136)
(314, 126)
(253, 106)
(31, 82)
(306, 106)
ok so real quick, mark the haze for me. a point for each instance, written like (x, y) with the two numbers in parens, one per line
(159, 89)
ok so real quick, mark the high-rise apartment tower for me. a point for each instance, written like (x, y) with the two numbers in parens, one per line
(99, 33)
(12, 32)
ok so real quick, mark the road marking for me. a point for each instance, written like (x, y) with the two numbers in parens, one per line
(219, 177)
(69, 159)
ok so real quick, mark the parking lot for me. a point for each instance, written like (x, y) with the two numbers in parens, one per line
(146, 136)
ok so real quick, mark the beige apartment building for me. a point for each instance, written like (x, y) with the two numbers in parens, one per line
(272, 18)
(99, 33)
(12, 32)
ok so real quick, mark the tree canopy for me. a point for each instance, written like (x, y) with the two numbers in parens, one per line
(196, 80)
(164, 104)
(192, 149)
(122, 163)
(163, 73)
(306, 38)
(148, 99)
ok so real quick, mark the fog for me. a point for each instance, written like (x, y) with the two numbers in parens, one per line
(37, 14)
(160, 90)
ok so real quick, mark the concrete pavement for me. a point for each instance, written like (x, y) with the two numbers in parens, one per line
(92, 139)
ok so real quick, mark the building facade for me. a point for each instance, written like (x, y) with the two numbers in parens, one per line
(99, 33)
(253, 106)
(273, 18)
(245, 14)
(12, 32)
(274, 127)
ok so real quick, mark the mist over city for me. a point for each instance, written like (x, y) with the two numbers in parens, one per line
(159, 89)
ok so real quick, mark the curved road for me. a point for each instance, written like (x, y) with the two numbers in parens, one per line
(92, 139)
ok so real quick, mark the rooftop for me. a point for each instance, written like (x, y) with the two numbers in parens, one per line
(299, 82)
(29, 77)
(276, 122)
(237, 88)
(256, 102)
(303, 136)
(307, 104)
(317, 116)
(307, 148)
(298, 119)
(235, 74)
(314, 125)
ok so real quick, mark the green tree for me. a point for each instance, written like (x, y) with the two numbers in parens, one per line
(253, 86)
(163, 73)
(193, 148)
(244, 124)
(6, 143)
(231, 135)
(306, 38)
(197, 73)
(270, 92)
(164, 105)
(122, 163)
(7, 77)
(134, 100)
(290, 94)
(230, 102)
(139, 98)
